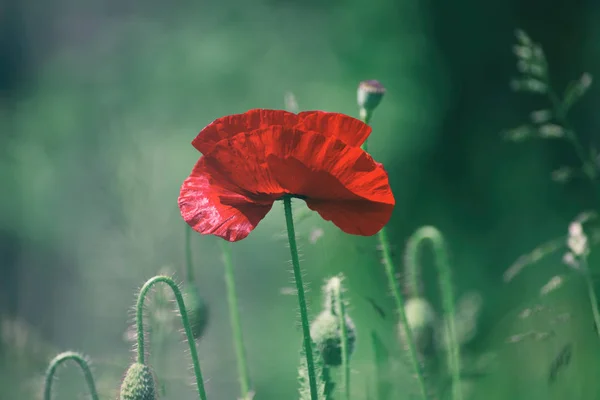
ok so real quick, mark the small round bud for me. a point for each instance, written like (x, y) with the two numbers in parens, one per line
(421, 319)
(419, 313)
(197, 310)
(138, 383)
(327, 334)
(369, 95)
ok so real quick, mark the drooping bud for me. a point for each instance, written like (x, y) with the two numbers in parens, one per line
(369, 96)
(421, 319)
(138, 383)
(197, 310)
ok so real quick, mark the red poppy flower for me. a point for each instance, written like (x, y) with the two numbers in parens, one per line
(251, 160)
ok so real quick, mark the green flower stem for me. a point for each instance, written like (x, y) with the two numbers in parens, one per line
(397, 293)
(445, 284)
(234, 315)
(189, 266)
(80, 360)
(591, 293)
(141, 355)
(399, 300)
(310, 364)
(340, 310)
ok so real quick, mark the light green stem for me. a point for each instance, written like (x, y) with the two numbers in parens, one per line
(141, 355)
(80, 360)
(591, 294)
(310, 364)
(189, 266)
(445, 284)
(340, 311)
(234, 316)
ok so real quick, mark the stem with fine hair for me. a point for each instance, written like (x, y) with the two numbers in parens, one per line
(234, 316)
(141, 355)
(340, 310)
(80, 360)
(189, 266)
(397, 294)
(399, 301)
(310, 363)
(432, 234)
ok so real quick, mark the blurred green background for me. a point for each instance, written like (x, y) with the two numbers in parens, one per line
(101, 99)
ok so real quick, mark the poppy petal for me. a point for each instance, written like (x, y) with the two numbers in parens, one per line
(232, 125)
(241, 161)
(211, 204)
(349, 130)
(364, 218)
(342, 183)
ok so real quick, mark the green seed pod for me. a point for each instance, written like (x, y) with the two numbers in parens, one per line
(138, 383)
(326, 333)
(197, 309)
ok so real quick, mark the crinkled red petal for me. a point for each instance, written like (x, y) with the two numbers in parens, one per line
(341, 182)
(212, 204)
(231, 125)
(349, 130)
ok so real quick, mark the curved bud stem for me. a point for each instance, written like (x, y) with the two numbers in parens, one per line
(310, 363)
(388, 265)
(141, 356)
(399, 300)
(83, 364)
(430, 233)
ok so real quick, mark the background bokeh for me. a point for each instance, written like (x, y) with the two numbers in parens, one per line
(99, 101)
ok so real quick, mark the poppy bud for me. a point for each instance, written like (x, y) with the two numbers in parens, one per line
(421, 320)
(197, 310)
(369, 96)
(138, 383)
(327, 334)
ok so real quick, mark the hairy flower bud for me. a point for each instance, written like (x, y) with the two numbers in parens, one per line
(197, 310)
(138, 383)
(327, 334)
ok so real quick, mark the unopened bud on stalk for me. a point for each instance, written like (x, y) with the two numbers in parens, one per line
(421, 319)
(196, 308)
(369, 96)
(138, 383)
(326, 333)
